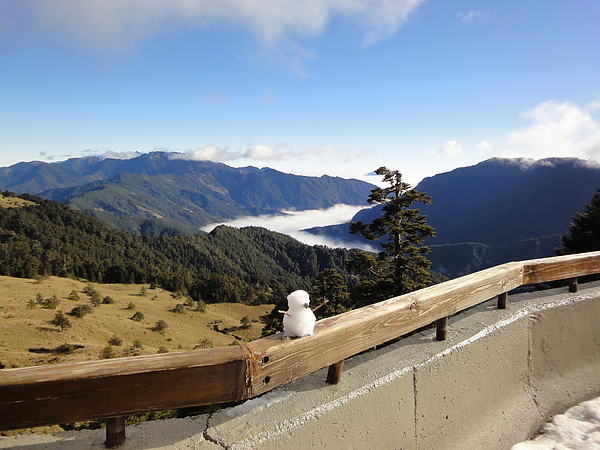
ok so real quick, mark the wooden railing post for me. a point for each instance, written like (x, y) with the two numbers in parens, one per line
(115, 432)
(573, 285)
(441, 330)
(502, 300)
(334, 374)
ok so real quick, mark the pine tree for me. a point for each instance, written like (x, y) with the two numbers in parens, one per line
(401, 266)
(61, 321)
(245, 322)
(329, 286)
(584, 231)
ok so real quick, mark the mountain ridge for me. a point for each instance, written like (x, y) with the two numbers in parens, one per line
(496, 211)
(160, 193)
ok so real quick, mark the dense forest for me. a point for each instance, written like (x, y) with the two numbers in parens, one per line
(250, 265)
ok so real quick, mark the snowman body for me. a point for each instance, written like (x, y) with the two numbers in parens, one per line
(299, 320)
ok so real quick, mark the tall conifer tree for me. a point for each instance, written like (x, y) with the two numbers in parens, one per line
(584, 231)
(401, 230)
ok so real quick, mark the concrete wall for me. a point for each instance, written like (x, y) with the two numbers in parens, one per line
(500, 375)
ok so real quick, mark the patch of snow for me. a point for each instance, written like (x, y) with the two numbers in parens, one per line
(577, 428)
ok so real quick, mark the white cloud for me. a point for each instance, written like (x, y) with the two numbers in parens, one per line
(594, 105)
(266, 153)
(119, 155)
(558, 129)
(281, 152)
(484, 146)
(293, 222)
(450, 149)
(214, 153)
(471, 16)
(208, 153)
(117, 23)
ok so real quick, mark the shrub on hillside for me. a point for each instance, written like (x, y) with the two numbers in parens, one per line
(80, 311)
(107, 352)
(245, 322)
(201, 306)
(138, 316)
(115, 340)
(204, 343)
(160, 326)
(96, 299)
(48, 303)
(66, 349)
(179, 308)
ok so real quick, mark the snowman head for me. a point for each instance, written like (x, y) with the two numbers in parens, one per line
(298, 300)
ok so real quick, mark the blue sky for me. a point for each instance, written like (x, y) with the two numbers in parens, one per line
(313, 87)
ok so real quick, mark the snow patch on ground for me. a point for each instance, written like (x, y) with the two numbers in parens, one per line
(578, 428)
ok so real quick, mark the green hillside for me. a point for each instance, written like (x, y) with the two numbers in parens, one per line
(249, 265)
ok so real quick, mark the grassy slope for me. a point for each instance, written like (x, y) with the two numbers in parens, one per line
(13, 202)
(23, 328)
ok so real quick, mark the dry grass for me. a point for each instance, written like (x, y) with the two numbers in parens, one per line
(13, 202)
(24, 329)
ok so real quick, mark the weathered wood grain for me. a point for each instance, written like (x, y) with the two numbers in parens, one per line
(560, 267)
(66, 393)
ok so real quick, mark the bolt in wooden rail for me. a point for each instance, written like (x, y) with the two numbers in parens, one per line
(64, 393)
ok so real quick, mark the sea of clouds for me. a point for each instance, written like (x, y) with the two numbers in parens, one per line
(293, 222)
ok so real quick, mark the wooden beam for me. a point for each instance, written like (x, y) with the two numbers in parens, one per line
(339, 337)
(64, 393)
(561, 267)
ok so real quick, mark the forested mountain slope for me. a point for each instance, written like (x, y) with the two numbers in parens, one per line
(251, 264)
(158, 193)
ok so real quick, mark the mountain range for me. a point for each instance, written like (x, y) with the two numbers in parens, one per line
(159, 193)
(497, 211)
(493, 212)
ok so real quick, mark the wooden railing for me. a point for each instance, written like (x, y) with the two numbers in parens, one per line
(44, 395)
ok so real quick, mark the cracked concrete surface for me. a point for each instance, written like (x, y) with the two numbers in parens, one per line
(498, 377)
